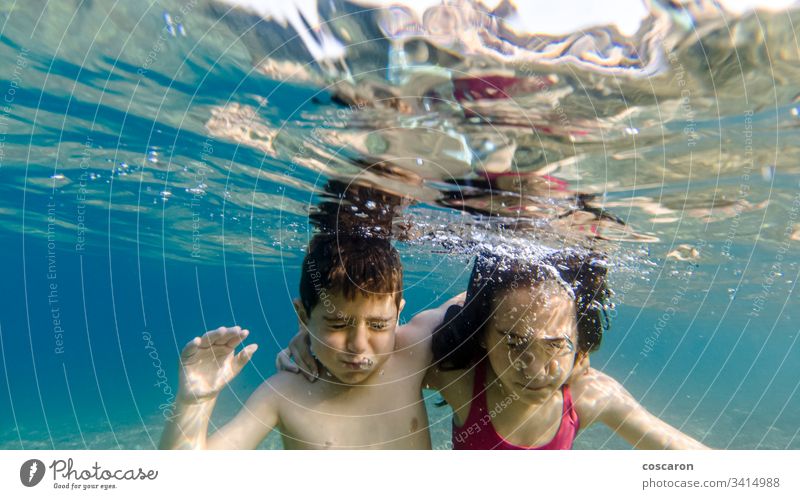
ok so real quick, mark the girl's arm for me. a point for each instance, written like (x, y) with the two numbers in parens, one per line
(599, 397)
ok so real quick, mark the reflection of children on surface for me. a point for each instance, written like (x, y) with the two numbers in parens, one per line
(528, 200)
(512, 362)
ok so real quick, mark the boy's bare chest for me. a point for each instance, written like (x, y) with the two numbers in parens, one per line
(377, 417)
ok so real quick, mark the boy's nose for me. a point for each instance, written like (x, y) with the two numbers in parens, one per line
(357, 340)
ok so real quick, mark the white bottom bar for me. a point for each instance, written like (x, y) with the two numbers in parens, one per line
(349, 474)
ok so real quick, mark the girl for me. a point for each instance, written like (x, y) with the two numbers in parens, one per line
(512, 362)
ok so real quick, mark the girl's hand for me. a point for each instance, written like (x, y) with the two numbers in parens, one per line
(299, 349)
(458, 299)
(208, 363)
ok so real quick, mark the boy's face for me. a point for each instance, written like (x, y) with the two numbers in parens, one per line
(531, 340)
(353, 338)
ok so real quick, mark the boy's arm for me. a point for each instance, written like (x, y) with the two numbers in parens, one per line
(419, 330)
(417, 336)
(207, 364)
(599, 397)
(252, 424)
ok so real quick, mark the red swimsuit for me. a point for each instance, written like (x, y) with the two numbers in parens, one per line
(478, 433)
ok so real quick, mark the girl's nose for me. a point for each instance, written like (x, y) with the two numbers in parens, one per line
(543, 369)
(527, 358)
(534, 370)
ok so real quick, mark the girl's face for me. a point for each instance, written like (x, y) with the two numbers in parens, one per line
(531, 340)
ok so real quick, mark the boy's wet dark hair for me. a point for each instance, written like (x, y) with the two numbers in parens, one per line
(456, 342)
(352, 251)
(350, 265)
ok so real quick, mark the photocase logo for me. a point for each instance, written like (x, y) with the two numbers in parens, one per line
(31, 472)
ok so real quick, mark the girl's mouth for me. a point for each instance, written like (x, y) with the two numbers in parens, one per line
(532, 387)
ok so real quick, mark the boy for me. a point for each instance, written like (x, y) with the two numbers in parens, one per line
(368, 393)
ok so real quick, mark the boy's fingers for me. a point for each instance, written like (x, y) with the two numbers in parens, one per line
(227, 335)
(190, 348)
(210, 337)
(243, 357)
(238, 338)
(220, 335)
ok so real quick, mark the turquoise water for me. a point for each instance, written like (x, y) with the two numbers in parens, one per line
(157, 171)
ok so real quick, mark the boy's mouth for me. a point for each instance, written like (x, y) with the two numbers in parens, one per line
(358, 364)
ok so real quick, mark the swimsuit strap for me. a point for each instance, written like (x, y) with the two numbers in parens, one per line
(570, 422)
(566, 406)
(464, 438)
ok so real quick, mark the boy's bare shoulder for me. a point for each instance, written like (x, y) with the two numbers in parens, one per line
(280, 386)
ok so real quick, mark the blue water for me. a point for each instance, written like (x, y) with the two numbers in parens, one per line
(129, 225)
(729, 382)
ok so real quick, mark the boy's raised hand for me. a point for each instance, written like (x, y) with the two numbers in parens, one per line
(208, 363)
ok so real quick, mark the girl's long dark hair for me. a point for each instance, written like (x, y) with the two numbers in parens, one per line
(456, 342)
